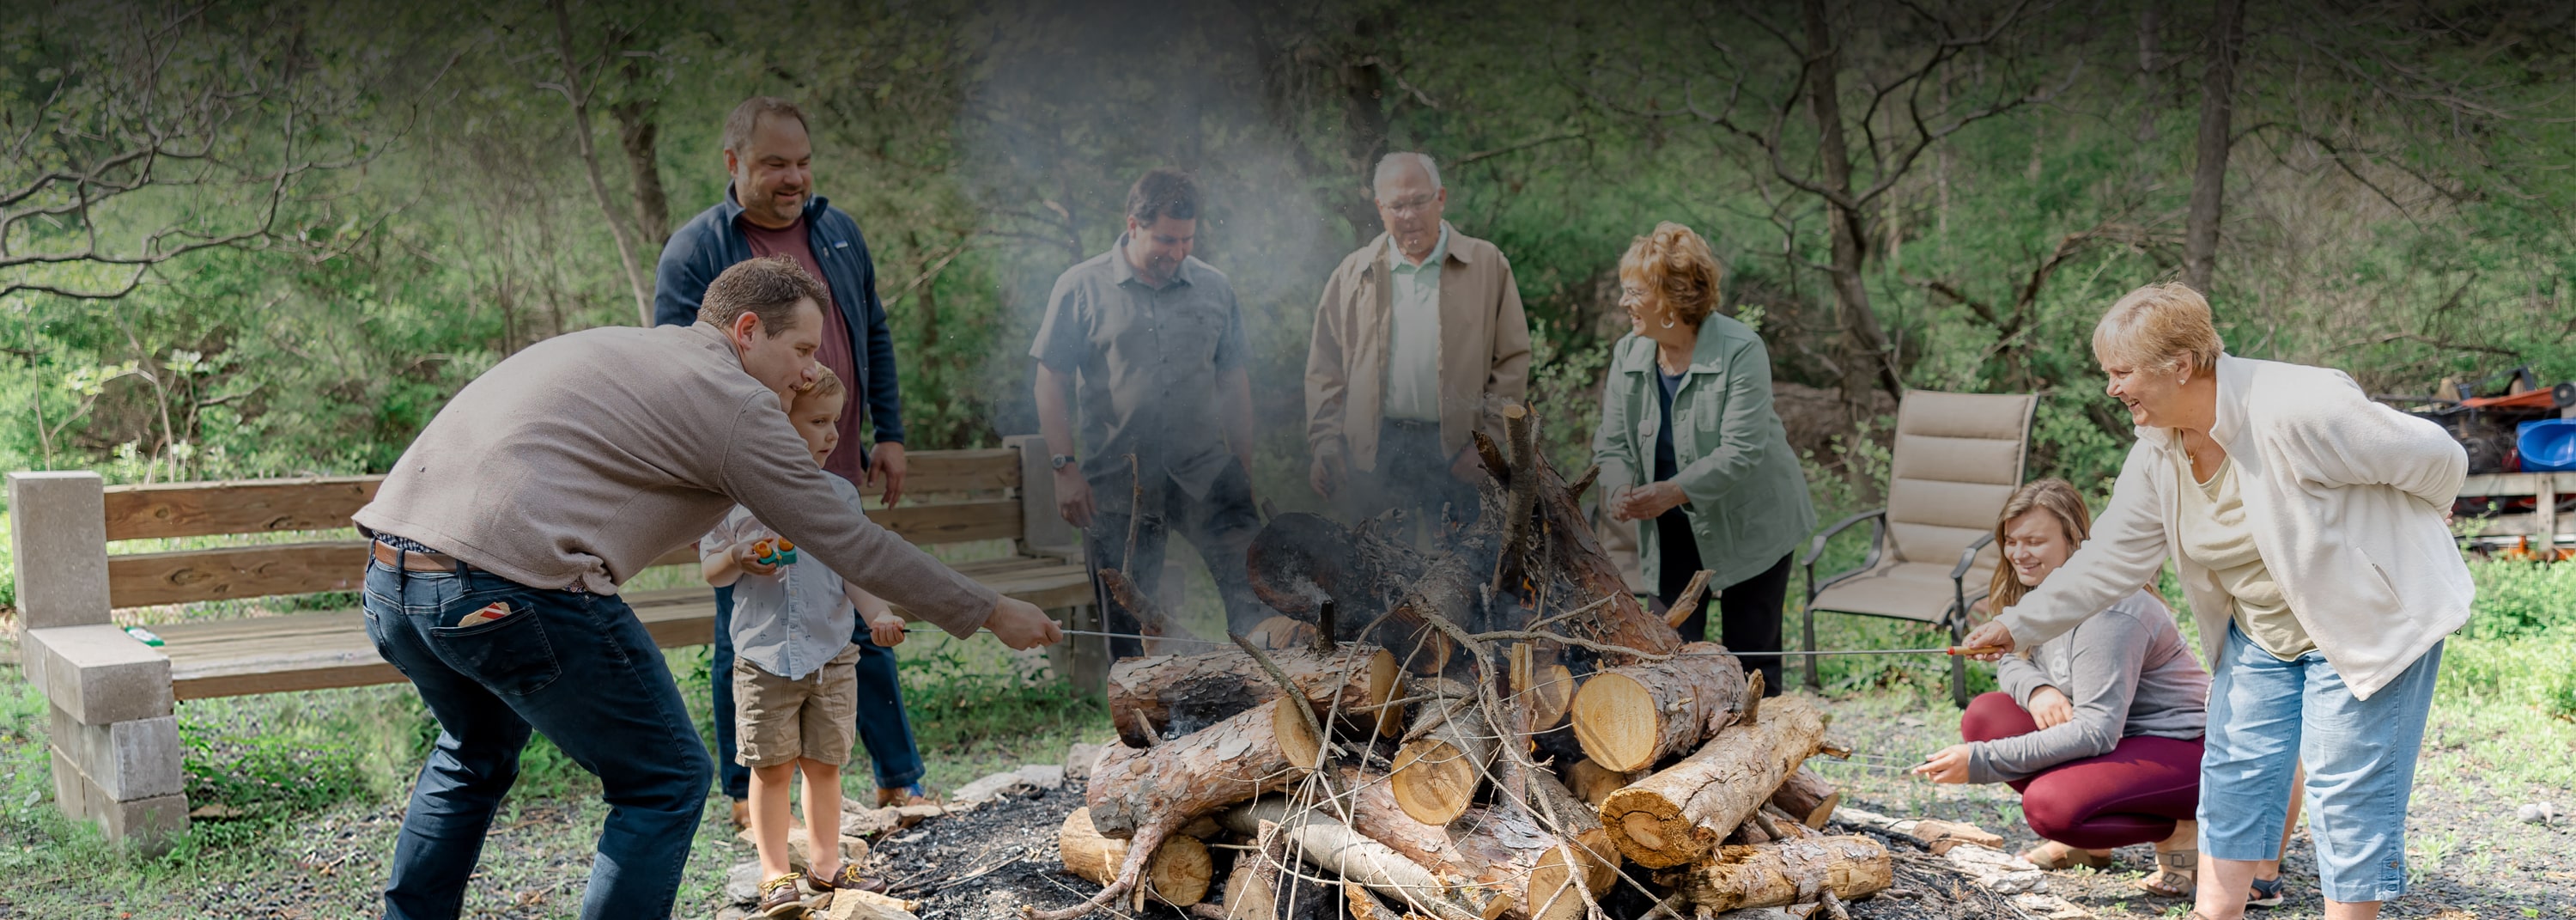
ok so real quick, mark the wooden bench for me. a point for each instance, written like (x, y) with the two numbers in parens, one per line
(116, 752)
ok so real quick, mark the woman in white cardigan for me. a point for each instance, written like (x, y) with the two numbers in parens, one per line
(2307, 525)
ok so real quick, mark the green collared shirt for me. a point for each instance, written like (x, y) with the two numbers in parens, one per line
(1145, 361)
(1413, 334)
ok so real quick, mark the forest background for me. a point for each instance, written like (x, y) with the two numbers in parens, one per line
(257, 239)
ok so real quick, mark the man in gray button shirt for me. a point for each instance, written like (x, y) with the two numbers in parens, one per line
(1149, 343)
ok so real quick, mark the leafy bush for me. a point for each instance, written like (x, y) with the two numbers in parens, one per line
(2520, 599)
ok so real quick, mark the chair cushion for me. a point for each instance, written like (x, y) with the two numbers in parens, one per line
(1918, 591)
(1957, 457)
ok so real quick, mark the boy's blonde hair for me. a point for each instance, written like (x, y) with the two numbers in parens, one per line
(826, 384)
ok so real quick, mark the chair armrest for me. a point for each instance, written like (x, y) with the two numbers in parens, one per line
(1816, 548)
(1968, 557)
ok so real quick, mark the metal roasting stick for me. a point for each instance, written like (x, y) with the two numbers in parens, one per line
(1946, 650)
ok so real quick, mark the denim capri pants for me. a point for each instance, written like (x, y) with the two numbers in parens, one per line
(2267, 716)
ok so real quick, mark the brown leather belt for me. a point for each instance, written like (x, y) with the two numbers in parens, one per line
(413, 561)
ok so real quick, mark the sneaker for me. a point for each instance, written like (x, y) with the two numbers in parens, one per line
(2267, 892)
(779, 897)
(847, 877)
(915, 794)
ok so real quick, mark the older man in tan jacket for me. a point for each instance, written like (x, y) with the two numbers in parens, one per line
(1418, 339)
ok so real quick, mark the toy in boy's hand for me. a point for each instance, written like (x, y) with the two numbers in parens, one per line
(774, 551)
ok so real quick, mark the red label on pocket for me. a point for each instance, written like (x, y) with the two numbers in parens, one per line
(490, 612)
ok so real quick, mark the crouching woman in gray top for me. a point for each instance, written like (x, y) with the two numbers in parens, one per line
(2098, 729)
(2306, 525)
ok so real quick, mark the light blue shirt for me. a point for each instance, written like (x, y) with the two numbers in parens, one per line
(1413, 333)
(791, 621)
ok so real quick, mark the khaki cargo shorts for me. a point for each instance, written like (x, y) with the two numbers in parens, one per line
(778, 720)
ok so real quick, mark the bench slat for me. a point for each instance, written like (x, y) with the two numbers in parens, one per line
(230, 573)
(197, 509)
(314, 651)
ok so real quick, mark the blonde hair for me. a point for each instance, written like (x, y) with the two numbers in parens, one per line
(2053, 495)
(2159, 327)
(1678, 266)
(826, 384)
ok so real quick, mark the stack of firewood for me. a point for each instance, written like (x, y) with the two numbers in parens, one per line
(1491, 729)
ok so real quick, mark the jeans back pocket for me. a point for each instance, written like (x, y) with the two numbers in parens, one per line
(510, 655)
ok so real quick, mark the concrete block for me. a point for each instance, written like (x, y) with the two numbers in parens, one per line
(1043, 531)
(145, 825)
(132, 760)
(58, 541)
(100, 675)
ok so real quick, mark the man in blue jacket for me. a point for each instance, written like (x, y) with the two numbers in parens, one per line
(769, 209)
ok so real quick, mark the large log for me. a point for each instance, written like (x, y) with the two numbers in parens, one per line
(1580, 570)
(1144, 795)
(1679, 814)
(1259, 889)
(1593, 782)
(1524, 867)
(1178, 874)
(1179, 694)
(1436, 774)
(1785, 873)
(1325, 841)
(1631, 717)
(1807, 798)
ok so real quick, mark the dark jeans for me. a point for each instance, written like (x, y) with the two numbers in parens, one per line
(884, 729)
(1220, 527)
(1748, 611)
(1413, 474)
(575, 666)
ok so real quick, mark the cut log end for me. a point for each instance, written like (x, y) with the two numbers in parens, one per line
(1178, 873)
(1616, 722)
(1593, 783)
(1297, 742)
(1434, 781)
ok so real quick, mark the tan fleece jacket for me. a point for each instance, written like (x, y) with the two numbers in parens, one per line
(577, 462)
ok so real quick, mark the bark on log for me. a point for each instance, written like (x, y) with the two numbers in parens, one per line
(1785, 873)
(1177, 874)
(1679, 814)
(1807, 798)
(1144, 795)
(1630, 718)
(1579, 569)
(1521, 864)
(1328, 843)
(1179, 694)
(1436, 775)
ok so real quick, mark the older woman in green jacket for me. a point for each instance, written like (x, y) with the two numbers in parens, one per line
(1691, 450)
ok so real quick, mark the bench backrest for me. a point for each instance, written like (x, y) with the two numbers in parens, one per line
(951, 496)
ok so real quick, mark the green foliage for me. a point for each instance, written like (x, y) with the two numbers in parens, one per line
(245, 770)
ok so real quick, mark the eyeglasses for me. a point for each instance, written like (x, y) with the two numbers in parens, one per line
(1410, 205)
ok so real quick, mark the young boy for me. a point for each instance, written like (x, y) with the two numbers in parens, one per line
(796, 691)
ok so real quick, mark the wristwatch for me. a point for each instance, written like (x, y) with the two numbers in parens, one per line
(1059, 461)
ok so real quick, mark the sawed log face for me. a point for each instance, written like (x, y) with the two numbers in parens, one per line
(1679, 814)
(1178, 875)
(1632, 717)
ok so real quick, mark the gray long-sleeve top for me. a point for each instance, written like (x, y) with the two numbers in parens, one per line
(2126, 671)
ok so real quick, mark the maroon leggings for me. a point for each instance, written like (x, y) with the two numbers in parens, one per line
(2132, 795)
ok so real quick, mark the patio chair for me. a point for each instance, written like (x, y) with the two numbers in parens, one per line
(1958, 456)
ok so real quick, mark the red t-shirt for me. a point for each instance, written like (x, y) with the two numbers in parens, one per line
(794, 242)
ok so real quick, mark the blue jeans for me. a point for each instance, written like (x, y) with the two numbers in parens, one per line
(2266, 717)
(884, 729)
(575, 666)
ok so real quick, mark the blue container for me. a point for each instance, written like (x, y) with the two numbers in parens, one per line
(2547, 446)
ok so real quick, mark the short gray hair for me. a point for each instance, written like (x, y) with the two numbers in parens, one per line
(1387, 165)
(745, 118)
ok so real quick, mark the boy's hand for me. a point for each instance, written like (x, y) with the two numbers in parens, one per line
(744, 556)
(885, 629)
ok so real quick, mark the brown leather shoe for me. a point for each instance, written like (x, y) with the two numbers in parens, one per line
(915, 794)
(848, 877)
(741, 814)
(779, 897)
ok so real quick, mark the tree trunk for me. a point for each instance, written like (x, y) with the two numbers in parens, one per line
(1677, 815)
(2150, 89)
(1866, 355)
(1177, 695)
(1787, 872)
(579, 96)
(1807, 798)
(1630, 718)
(1436, 775)
(640, 134)
(2209, 169)
(1178, 875)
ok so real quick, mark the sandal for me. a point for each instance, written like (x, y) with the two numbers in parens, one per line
(2267, 892)
(2177, 874)
(2051, 855)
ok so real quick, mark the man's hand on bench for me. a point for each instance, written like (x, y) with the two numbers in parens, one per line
(1021, 625)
